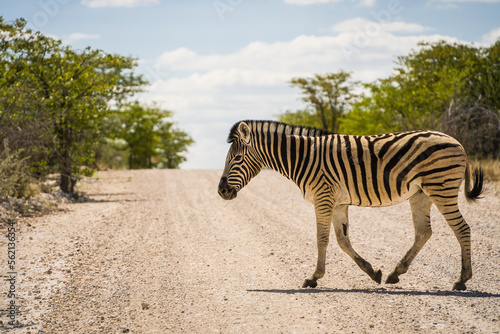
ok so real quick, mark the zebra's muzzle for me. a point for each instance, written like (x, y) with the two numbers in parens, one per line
(225, 191)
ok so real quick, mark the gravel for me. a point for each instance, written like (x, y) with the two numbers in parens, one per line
(158, 251)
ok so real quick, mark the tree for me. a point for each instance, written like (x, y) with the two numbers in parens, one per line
(173, 142)
(304, 117)
(450, 87)
(483, 77)
(68, 92)
(366, 117)
(328, 97)
(152, 141)
(475, 125)
(23, 133)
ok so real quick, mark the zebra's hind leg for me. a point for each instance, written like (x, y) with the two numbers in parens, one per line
(461, 229)
(341, 226)
(420, 208)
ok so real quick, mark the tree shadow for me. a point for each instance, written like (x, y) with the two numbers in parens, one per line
(110, 197)
(123, 193)
(383, 291)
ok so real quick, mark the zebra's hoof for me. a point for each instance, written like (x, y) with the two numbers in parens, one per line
(459, 286)
(378, 276)
(310, 283)
(392, 279)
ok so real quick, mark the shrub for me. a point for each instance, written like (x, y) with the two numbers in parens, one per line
(14, 172)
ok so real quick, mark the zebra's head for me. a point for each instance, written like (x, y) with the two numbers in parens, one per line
(242, 162)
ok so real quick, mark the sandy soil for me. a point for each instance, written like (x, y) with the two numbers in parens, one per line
(160, 252)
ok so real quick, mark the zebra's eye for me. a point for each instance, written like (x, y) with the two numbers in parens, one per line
(238, 157)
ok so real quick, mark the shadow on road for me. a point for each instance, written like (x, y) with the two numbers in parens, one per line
(110, 197)
(383, 291)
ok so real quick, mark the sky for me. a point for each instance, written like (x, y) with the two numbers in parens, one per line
(215, 62)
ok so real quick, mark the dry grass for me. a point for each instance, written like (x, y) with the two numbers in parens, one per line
(491, 168)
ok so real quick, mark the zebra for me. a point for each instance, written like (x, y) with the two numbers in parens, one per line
(334, 171)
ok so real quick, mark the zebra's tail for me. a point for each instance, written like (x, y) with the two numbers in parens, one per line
(472, 195)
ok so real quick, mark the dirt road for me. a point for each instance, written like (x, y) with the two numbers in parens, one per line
(160, 252)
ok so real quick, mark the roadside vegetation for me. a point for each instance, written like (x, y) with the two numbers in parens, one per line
(68, 112)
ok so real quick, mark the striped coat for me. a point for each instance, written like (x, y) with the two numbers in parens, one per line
(334, 171)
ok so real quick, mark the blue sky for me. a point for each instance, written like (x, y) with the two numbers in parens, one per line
(214, 62)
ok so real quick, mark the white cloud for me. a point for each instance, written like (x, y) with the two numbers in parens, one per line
(209, 92)
(455, 4)
(366, 3)
(309, 2)
(79, 36)
(370, 27)
(275, 57)
(491, 37)
(119, 3)
(485, 1)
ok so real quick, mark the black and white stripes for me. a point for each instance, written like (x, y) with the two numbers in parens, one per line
(334, 171)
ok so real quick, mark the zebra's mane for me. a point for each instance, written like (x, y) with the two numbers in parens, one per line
(280, 128)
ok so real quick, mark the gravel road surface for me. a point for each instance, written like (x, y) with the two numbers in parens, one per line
(158, 251)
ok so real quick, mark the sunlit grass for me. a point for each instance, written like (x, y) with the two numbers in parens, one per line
(491, 168)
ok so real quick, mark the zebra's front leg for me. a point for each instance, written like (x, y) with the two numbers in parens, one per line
(323, 223)
(341, 226)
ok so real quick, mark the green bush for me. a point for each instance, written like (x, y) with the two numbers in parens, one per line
(14, 172)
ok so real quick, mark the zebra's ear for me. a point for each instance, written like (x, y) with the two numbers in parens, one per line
(244, 131)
